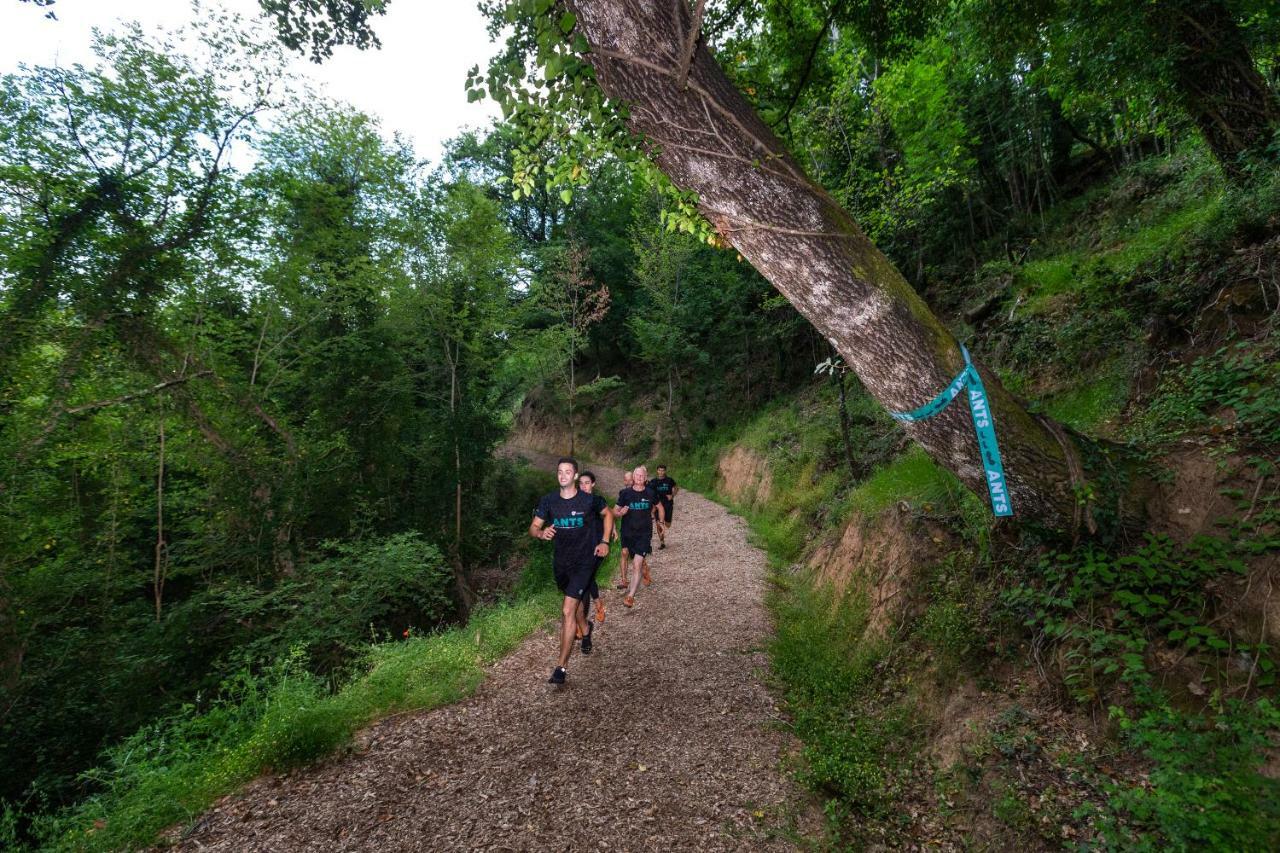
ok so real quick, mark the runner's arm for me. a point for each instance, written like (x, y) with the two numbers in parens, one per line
(537, 531)
(608, 525)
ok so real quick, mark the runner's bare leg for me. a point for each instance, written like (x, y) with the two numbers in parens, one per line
(568, 625)
(636, 562)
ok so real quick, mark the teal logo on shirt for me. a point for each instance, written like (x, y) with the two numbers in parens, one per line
(569, 521)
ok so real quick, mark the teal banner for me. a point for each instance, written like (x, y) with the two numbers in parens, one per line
(983, 426)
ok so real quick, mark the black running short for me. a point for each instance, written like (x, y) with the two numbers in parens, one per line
(579, 581)
(639, 546)
(668, 510)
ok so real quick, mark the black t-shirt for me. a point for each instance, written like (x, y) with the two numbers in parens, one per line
(639, 520)
(576, 538)
(598, 505)
(664, 487)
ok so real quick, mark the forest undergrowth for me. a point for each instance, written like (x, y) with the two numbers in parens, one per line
(285, 716)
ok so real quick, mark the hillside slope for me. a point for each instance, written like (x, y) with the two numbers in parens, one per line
(957, 682)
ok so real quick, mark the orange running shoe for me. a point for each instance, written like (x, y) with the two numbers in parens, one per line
(630, 601)
(599, 612)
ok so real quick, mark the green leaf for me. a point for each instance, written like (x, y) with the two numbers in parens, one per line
(567, 21)
(566, 195)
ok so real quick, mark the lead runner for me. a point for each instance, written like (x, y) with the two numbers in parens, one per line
(564, 518)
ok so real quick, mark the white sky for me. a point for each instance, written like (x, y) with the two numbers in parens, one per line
(413, 85)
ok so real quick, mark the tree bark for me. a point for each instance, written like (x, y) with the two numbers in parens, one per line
(708, 139)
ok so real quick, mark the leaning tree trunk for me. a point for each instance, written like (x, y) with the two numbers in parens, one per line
(1217, 80)
(708, 139)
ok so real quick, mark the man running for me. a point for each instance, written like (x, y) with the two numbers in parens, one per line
(624, 559)
(666, 490)
(564, 517)
(599, 512)
(635, 508)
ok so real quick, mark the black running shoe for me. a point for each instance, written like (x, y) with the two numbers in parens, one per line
(557, 676)
(586, 638)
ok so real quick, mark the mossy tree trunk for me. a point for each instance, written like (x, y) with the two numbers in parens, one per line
(1216, 78)
(708, 139)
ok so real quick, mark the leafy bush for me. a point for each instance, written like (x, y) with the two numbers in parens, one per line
(363, 591)
(1105, 610)
(1205, 791)
(1234, 391)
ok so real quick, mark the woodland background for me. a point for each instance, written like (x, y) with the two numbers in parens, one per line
(257, 360)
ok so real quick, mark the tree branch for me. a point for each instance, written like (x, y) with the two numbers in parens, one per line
(808, 66)
(134, 395)
(691, 43)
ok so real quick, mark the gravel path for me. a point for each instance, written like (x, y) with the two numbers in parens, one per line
(664, 738)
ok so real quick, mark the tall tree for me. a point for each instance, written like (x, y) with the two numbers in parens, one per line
(663, 260)
(462, 274)
(1193, 55)
(577, 302)
(704, 135)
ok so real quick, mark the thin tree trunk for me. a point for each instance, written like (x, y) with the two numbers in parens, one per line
(709, 140)
(671, 392)
(1219, 84)
(838, 375)
(573, 424)
(457, 459)
(158, 578)
(461, 584)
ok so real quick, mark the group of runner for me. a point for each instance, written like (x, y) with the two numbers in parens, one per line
(581, 524)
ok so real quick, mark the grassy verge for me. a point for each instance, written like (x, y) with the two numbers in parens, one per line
(1173, 768)
(170, 772)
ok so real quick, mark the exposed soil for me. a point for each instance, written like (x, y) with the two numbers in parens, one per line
(744, 476)
(665, 738)
(880, 555)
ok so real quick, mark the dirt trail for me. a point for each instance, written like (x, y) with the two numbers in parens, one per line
(663, 739)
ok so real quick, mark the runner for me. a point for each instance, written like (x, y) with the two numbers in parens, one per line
(624, 559)
(635, 508)
(599, 512)
(666, 490)
(564, 517)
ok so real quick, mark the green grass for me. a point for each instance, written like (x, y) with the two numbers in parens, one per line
(1050, 276)
(829, 676)
(1090, 407)
(1092, 250)
(1162, 235)
(912, 477)
(170, 772)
